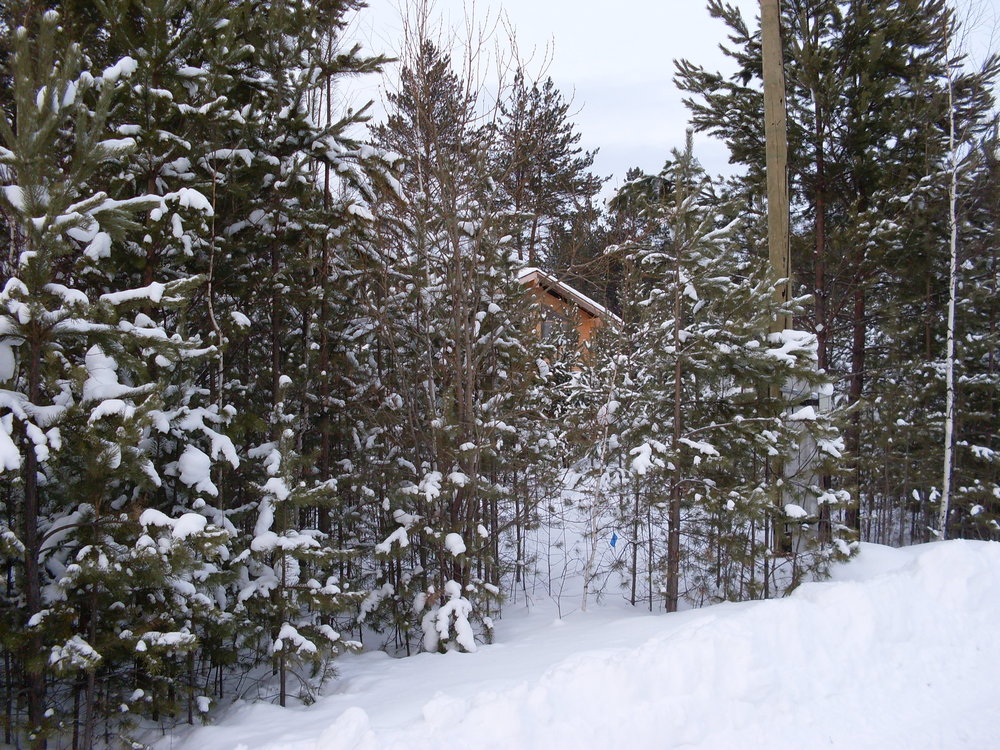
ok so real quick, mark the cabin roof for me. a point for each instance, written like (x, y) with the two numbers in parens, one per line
(561, 289)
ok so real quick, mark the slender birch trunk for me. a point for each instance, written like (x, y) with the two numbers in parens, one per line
(598, 502)
(949, 412)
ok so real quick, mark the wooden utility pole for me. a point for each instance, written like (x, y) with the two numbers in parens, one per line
(775, 132)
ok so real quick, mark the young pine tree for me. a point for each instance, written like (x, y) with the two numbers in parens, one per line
(454, 429)
(696, 429)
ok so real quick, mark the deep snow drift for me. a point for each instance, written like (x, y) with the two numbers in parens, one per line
(899, 650)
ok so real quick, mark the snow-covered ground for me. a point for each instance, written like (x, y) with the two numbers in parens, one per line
(901, 649)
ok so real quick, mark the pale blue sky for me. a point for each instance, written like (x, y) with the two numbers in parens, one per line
(615, 61)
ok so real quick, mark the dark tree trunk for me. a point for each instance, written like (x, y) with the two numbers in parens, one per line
(33, 661)
(674, 530)
(825, 530)
(859, 330)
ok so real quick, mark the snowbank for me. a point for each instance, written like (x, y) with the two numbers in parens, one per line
(898, 651)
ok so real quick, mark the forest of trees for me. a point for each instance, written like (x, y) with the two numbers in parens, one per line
(270, 390)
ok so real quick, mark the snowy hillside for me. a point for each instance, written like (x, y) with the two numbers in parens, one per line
(898, 651)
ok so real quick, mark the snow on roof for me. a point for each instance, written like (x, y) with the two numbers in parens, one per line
(551, 283)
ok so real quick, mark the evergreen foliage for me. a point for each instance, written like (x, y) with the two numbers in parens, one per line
(868, 137)
(546, 176)
(691, 433)
(270, 391)
(152, 185)
(460, 382)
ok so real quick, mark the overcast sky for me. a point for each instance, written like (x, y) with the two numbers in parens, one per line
(614, 61)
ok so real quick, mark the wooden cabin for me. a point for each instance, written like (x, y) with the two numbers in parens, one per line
(563, 305)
